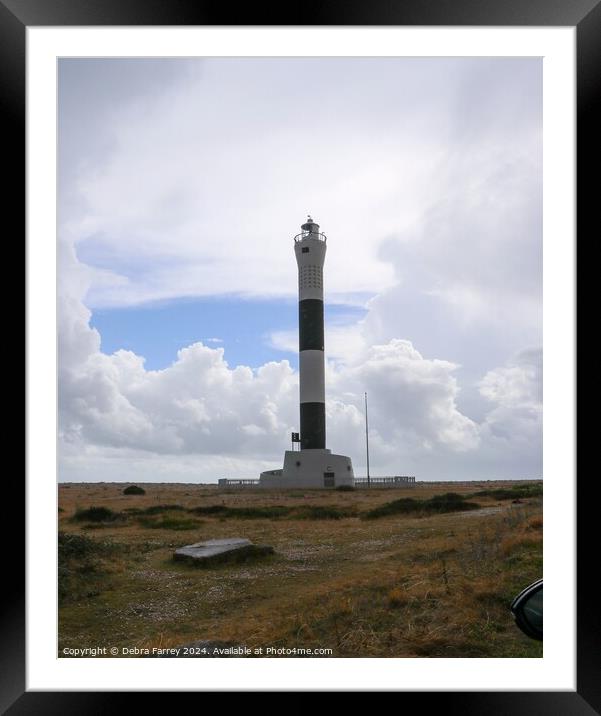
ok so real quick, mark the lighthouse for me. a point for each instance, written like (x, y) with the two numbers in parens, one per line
(314, 465)
(310, 250)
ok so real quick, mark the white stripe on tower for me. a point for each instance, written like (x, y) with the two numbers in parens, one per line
(310, 251)
(312, 386)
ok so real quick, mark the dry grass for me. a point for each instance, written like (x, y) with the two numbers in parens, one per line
(403, 585)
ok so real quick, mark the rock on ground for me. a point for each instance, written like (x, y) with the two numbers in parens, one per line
(220, 551)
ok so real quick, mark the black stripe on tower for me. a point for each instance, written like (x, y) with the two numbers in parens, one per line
(313, 426)
(310, 324)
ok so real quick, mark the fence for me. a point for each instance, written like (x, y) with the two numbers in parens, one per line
(387, 481)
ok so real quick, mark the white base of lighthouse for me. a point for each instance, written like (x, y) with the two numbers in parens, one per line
(311, 469)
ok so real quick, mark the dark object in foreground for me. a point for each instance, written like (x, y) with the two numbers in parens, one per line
(221, 551)
(527, 609)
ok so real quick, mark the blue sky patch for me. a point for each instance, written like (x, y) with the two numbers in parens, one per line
(242, 327)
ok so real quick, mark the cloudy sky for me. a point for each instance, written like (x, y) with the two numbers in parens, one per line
(181, 186)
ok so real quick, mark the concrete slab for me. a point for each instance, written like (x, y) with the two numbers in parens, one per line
(217, 551)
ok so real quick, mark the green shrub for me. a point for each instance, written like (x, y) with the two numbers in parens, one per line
(275, 512)
(512, 493)
(96, 514)
(169, 523)
(243, 513)
(209, 510)
(79, 566)
(321, 512)
(448, 497)
(157, 509)
(449, 502)
(78, 547)
(251, 513)
(134, 490)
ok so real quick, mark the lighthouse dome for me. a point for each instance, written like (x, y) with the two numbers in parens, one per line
(310, 226)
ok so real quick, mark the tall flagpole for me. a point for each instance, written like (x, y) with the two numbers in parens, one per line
(367, 442)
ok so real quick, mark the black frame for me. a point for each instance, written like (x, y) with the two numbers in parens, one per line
(585, 15)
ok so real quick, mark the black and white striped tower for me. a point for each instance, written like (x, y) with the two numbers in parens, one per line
(315, 466)
(310, 250)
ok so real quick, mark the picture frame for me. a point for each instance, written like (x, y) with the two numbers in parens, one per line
(17, 15)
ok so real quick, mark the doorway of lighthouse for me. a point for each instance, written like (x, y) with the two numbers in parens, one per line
(328, 479)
